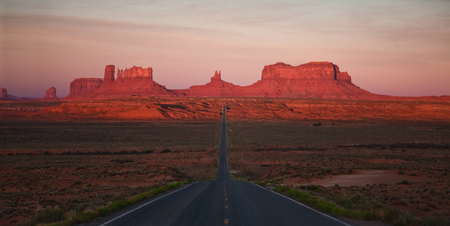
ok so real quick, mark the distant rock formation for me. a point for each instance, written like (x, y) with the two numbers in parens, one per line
(216, 88)
(137, 72)
(135, 81)
(309, 71)
(109, 74)
(217, 76)
(321, 80)
(119, 75)
(50, 94)
(314, 80)
(81, 86)
(3, 93)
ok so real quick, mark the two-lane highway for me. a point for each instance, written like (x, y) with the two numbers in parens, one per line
(221, 202)
(224, 173)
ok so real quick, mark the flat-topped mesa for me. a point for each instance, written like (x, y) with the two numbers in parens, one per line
(50, 94)
(3, 93)
(137, 72)
(309, 71)
(109, 74)
(81, 86)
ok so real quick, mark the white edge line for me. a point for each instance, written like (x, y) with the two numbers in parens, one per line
(143, 205)
(293, 200)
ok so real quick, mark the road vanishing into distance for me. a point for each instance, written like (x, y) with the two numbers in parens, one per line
(221, 202)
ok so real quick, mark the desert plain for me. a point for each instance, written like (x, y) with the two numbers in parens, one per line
(359, 154)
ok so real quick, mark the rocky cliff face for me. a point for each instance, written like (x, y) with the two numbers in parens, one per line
(135, 81)
(109, 74)
(137, 72)
(3, 93)
(309, 71)
(132, 82)
(314, 80)
(216, 88)
(318, 80)
(311, 80)
(50, 94)
(82, 86)
(321, 80)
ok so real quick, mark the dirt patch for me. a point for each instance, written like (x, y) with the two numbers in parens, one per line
(364, 177)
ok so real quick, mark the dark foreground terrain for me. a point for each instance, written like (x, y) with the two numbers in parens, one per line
(362, 165)
(394, 166)
(79, 166)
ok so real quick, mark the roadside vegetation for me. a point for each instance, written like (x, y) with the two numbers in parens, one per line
(355, 205)
(58, 218)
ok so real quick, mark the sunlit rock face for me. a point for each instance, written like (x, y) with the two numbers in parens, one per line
(50, 94)
(135, 81)
(109, 74)
(130, 82)
(314, 80)
(309, 71)
(321, 80)
(216, 88)
(137, 72)
(3, 93)
(82, 86)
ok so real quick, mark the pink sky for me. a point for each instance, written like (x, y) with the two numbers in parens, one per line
(388, 47)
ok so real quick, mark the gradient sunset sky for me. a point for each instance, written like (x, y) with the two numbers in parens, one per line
(394, 47)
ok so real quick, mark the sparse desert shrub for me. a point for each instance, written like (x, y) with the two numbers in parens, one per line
(391, 215)
(326, 206)
(436, 221)
(314, 188)
(77, 182)
(165, 151)
(119, 160)
(260, 183)
(49, 215)
(405, 219)
(404, 182)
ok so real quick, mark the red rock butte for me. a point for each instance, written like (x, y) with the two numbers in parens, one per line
(314, 80)
(50, 94)
(3, 93)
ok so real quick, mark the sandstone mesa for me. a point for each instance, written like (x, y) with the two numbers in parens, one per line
(316, 80)
(3, 93)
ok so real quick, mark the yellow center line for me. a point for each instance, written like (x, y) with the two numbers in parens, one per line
(226, 199)
(226, 207)
(226, 221)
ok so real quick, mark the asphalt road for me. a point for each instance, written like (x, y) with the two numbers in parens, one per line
(221, 202)
(223, 174)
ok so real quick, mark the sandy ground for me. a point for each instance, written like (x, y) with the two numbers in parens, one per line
(364, 177)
